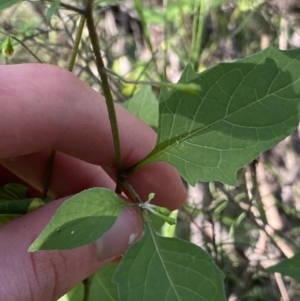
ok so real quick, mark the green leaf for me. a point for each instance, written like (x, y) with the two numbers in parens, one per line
(52, 10)
(7, 3)
(144, 105)
(288, 267)
(14, 202)
(20, 206)
(80, 220)
(167, 269)
(75, 294)
(13, 191)
(8, 49)
(102, 286)
(6, 218)
(243, 109)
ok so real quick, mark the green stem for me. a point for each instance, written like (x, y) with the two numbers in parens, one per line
(132, 192)
(194, 31)
(190, 88)
(76, 43)
(166, 37)
(139, 165)
(71, 63)
(48, 173)
(106, 90)
(198, 27)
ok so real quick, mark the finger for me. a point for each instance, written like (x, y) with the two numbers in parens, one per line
(61, 112)
(47, 275)
(8, 177)
(69, 175)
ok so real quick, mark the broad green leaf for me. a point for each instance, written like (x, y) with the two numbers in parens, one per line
(80, 220)
(7, 3)
(144, 105)
(167, 269)
(102, 287)
(243, 109)
(75, 294)
(288, 267)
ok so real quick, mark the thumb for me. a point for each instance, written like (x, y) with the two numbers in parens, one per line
(47, 275)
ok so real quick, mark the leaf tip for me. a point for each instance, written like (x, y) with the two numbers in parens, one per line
(32, 248)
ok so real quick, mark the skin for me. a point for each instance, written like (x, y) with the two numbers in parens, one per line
(42, 108)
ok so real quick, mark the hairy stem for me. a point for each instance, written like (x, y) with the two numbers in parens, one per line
(106, 90)
(136, 198)
(71, 63)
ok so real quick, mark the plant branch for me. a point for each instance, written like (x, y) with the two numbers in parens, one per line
(132, 192)
(71, 63)
(76, 43)
(190, 88)
(137, 82)
(72, 8)
(106, 90)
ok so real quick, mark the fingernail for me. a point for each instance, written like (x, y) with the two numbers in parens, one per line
(127, 229)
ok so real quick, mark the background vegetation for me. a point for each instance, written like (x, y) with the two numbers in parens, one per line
(245, 229)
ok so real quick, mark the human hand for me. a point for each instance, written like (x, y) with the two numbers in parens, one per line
(42, 108)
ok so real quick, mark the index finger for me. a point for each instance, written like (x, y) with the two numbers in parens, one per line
(45, 107)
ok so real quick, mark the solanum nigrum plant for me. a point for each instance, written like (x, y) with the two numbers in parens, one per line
(210, 125)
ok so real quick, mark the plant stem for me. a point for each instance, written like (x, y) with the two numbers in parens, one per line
(106, 90)
(86, 288)
(166, 38)
(132, 192)
(198, 27)
(76, 43)
(188, 88)
(71, 63)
